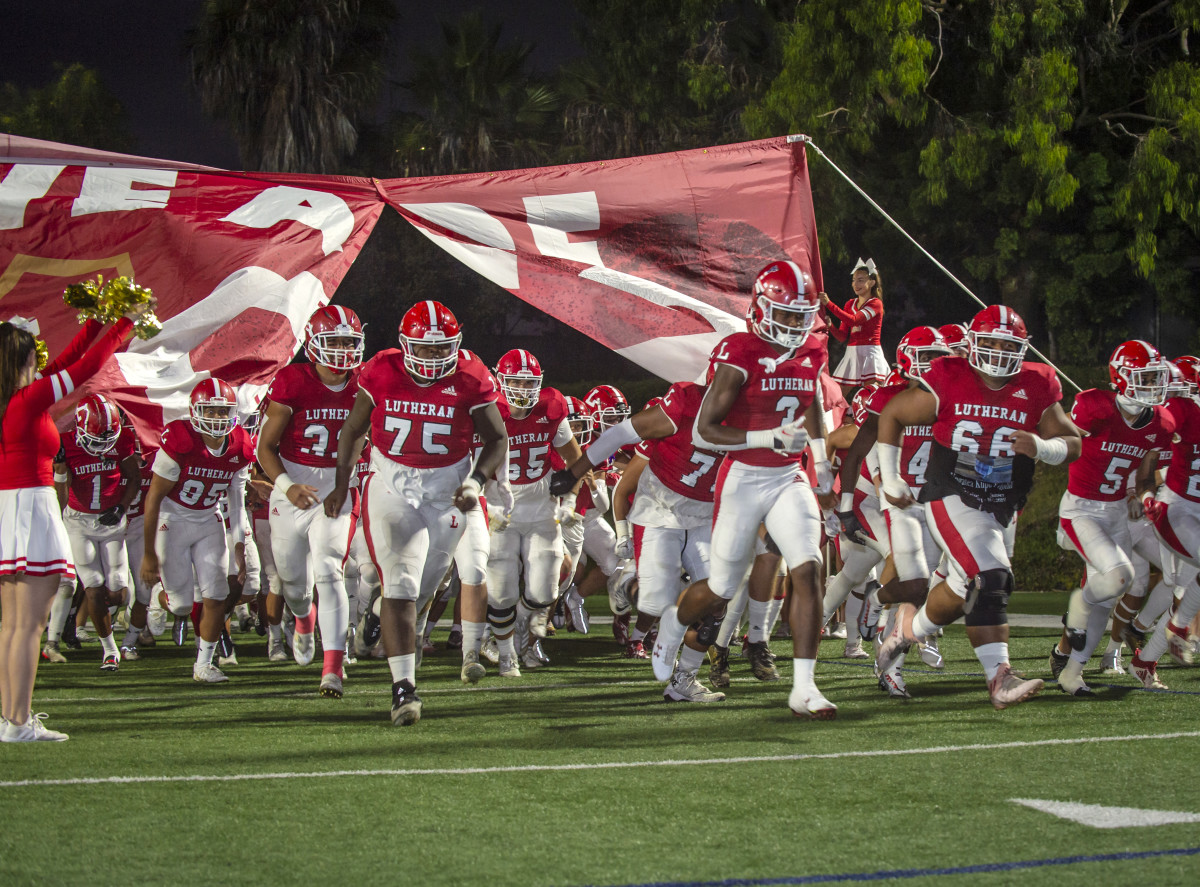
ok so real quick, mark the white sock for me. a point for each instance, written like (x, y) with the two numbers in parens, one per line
(1113, 648)
(109, 643)
(757, 611)
(472, 633)
(690, 660)
(60, 609)
(992, 656)
(923, 626)
(506, 647)
(275, 632)
(204, 652)
(854, 605)
(403, 668)
(803, 673)
(774, 608)
(333, 613)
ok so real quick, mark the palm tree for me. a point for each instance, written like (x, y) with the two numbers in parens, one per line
(290, 77)
(480, 110)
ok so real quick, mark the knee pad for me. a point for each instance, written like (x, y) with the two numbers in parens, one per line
(1111, 583)
(987, 598)
(501, 619)
(708, 628)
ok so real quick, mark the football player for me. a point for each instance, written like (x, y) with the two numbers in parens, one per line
(423, 409)
(1175, 513)
(297, 449)
(135, 539)
(762, 408)
(528, 542)
(202, 459)
(1123, 430)
(100, 468)
(993, 416)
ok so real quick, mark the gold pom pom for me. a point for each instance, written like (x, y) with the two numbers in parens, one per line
(43, 354)
(109, 302)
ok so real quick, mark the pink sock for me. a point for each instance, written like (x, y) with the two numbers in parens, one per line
(197, 612)
(333, 662)
(305, 625)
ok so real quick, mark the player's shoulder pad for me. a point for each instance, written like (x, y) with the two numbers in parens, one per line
(178, 438)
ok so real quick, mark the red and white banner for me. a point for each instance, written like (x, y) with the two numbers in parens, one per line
(237, 262)
(651, 256)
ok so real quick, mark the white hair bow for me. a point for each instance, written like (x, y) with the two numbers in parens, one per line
(28, 324)
(868, 266)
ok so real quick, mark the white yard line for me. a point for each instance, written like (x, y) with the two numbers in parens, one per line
(608, 765)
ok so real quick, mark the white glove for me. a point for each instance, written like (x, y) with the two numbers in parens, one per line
(822, 468)
(504, 499)
(600, 496)
(624, 547)
(564, 511)
(788, 438)
(497, 520)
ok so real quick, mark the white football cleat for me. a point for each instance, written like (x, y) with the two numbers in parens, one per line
(1007, 689)
(509, 667)
(530, 659)
(276, 650)
(807, 702)
(156, 620)
(490, 650)
(1112, 664)
(685, 688)
(854, 650)
(208, 673)
(1070, 680)
(892, 683)
(930, 654)
(579, 614)
(51, 652)
(666, 646)
(472, 669)
(331, 686)
(1178, 647)
(304, 647)
(1146, 672)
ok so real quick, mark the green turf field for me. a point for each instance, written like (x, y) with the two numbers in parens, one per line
(580, 774)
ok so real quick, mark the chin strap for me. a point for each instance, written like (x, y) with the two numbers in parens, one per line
(772, 363)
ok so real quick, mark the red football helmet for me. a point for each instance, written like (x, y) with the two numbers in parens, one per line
(1139, 373)
(515, 366)
(895, 377)
(579, 416)
(430, 323)
(1189, 368)
(996, 324)
(955, 337)
(213, 407)
(784, 304)
(97, 424)
(917, 349)
(333, 337)
(609, 406)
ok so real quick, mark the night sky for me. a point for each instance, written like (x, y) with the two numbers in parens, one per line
(138, 48)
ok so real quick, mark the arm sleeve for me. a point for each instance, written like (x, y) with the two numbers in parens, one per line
(842, 315)
(75, 349)
(165, 466)
(562, 435)
(238, 525)
(49, 390)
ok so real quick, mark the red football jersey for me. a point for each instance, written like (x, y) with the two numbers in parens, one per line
(1112, 450)
(775, 391)
(1183, 474)
(916, 445)
(318, 413)
(424, 426)
(972, 454)
(204, 478)
(531, 439)
(96, 481)
(675, 460)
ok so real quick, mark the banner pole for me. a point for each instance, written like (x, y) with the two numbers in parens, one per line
(808, 141)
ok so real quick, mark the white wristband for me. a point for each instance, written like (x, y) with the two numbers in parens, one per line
(847, 502)
(889, 464)
(283, 483)
(761, 440)
(622, 527)
(819, 452)
(473, 485)
(1052, 451)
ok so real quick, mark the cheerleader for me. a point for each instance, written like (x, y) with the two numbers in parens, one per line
(35, 552)
(858, 325)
